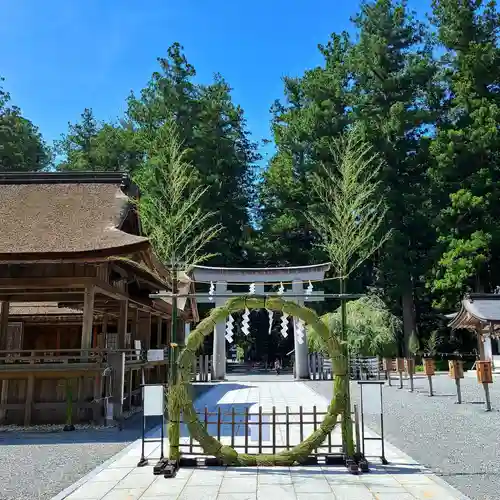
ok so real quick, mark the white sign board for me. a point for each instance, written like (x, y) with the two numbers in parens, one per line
(372, 401)
(137, 345)
(109, 410)
(153, 400)
(156, 355)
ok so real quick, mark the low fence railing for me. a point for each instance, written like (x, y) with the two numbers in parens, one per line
(262, 431)
(320, 368)
(63, 356)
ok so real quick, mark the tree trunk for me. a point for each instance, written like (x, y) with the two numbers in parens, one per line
(409, 323)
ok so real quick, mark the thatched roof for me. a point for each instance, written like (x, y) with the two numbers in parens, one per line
(54, 214)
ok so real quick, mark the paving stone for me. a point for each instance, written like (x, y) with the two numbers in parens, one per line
(351, 492)
(281, 492)
(274, 478)
(311, 485)
(136, 480)
(166, 486)
(242, 484)
(112, 474)
(199, 493)
(317, 496)
(92, 490)
(124, 494)
(237, 496)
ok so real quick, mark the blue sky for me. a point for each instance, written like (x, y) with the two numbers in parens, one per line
(59, 57)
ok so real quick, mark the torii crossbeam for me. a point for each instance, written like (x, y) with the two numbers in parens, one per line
(224, 276)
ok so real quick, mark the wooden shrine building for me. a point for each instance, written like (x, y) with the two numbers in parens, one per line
(75, 279)
(480, 313)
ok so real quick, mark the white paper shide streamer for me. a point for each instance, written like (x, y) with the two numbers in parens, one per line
(211, 291)
(281, 289)
(245, 324)
(270, 314)
(229, 329)
(251, 288)
(300, 330)
(284, 325)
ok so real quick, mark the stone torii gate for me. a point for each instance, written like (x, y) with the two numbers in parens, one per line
(222, 276)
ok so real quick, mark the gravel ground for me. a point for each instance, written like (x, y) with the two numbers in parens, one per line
(37, 466)
(460, 443)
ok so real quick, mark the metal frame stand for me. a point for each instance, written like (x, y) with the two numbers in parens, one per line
(380, 383)
(143, 461)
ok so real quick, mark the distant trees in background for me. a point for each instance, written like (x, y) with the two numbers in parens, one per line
(424, 93)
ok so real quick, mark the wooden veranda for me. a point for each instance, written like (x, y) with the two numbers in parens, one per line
(75, 280)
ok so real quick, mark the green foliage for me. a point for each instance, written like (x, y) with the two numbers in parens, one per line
(22, 148)
(351, 208)
(170, 209)
(465, 150)
(371, 328)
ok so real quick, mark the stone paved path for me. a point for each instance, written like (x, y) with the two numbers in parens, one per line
(120, 479)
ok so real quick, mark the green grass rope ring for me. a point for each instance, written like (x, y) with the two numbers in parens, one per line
(181, 401)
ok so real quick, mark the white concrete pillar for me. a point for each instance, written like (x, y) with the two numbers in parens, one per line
(219, 349)
(301, 350)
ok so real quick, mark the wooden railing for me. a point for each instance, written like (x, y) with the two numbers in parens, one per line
(64, 356)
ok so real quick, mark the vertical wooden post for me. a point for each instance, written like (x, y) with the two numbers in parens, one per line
(130, 387)
(104, 334)
(4, 398)
(4, 327)
(96, 410)
(29, 400)
(122, 324)
(4, 324)
(159, 324)
(88, 319)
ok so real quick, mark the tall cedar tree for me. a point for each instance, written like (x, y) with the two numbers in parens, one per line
(393, 98)
(466, 150)
(93, 146)
(314, 111)
(213, 132)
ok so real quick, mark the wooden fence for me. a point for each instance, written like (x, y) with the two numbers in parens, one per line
(266, 432)
(202, 369)
(320, 368)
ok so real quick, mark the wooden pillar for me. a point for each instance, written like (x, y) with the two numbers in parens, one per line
(130, 387)
(98, 401)
(88, 317)
(4, 398)
(28, 404)
(480, 345)
(144, 329)
(159, 325)
(4, 325)
(134, 326)
(104, 331)
(122, 324)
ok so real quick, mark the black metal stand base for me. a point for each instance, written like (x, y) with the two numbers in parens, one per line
(142, 462)
(170, 469)
(159, 467)
(362, 462)
(351, 465)
(69, 427)
(384, 461)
